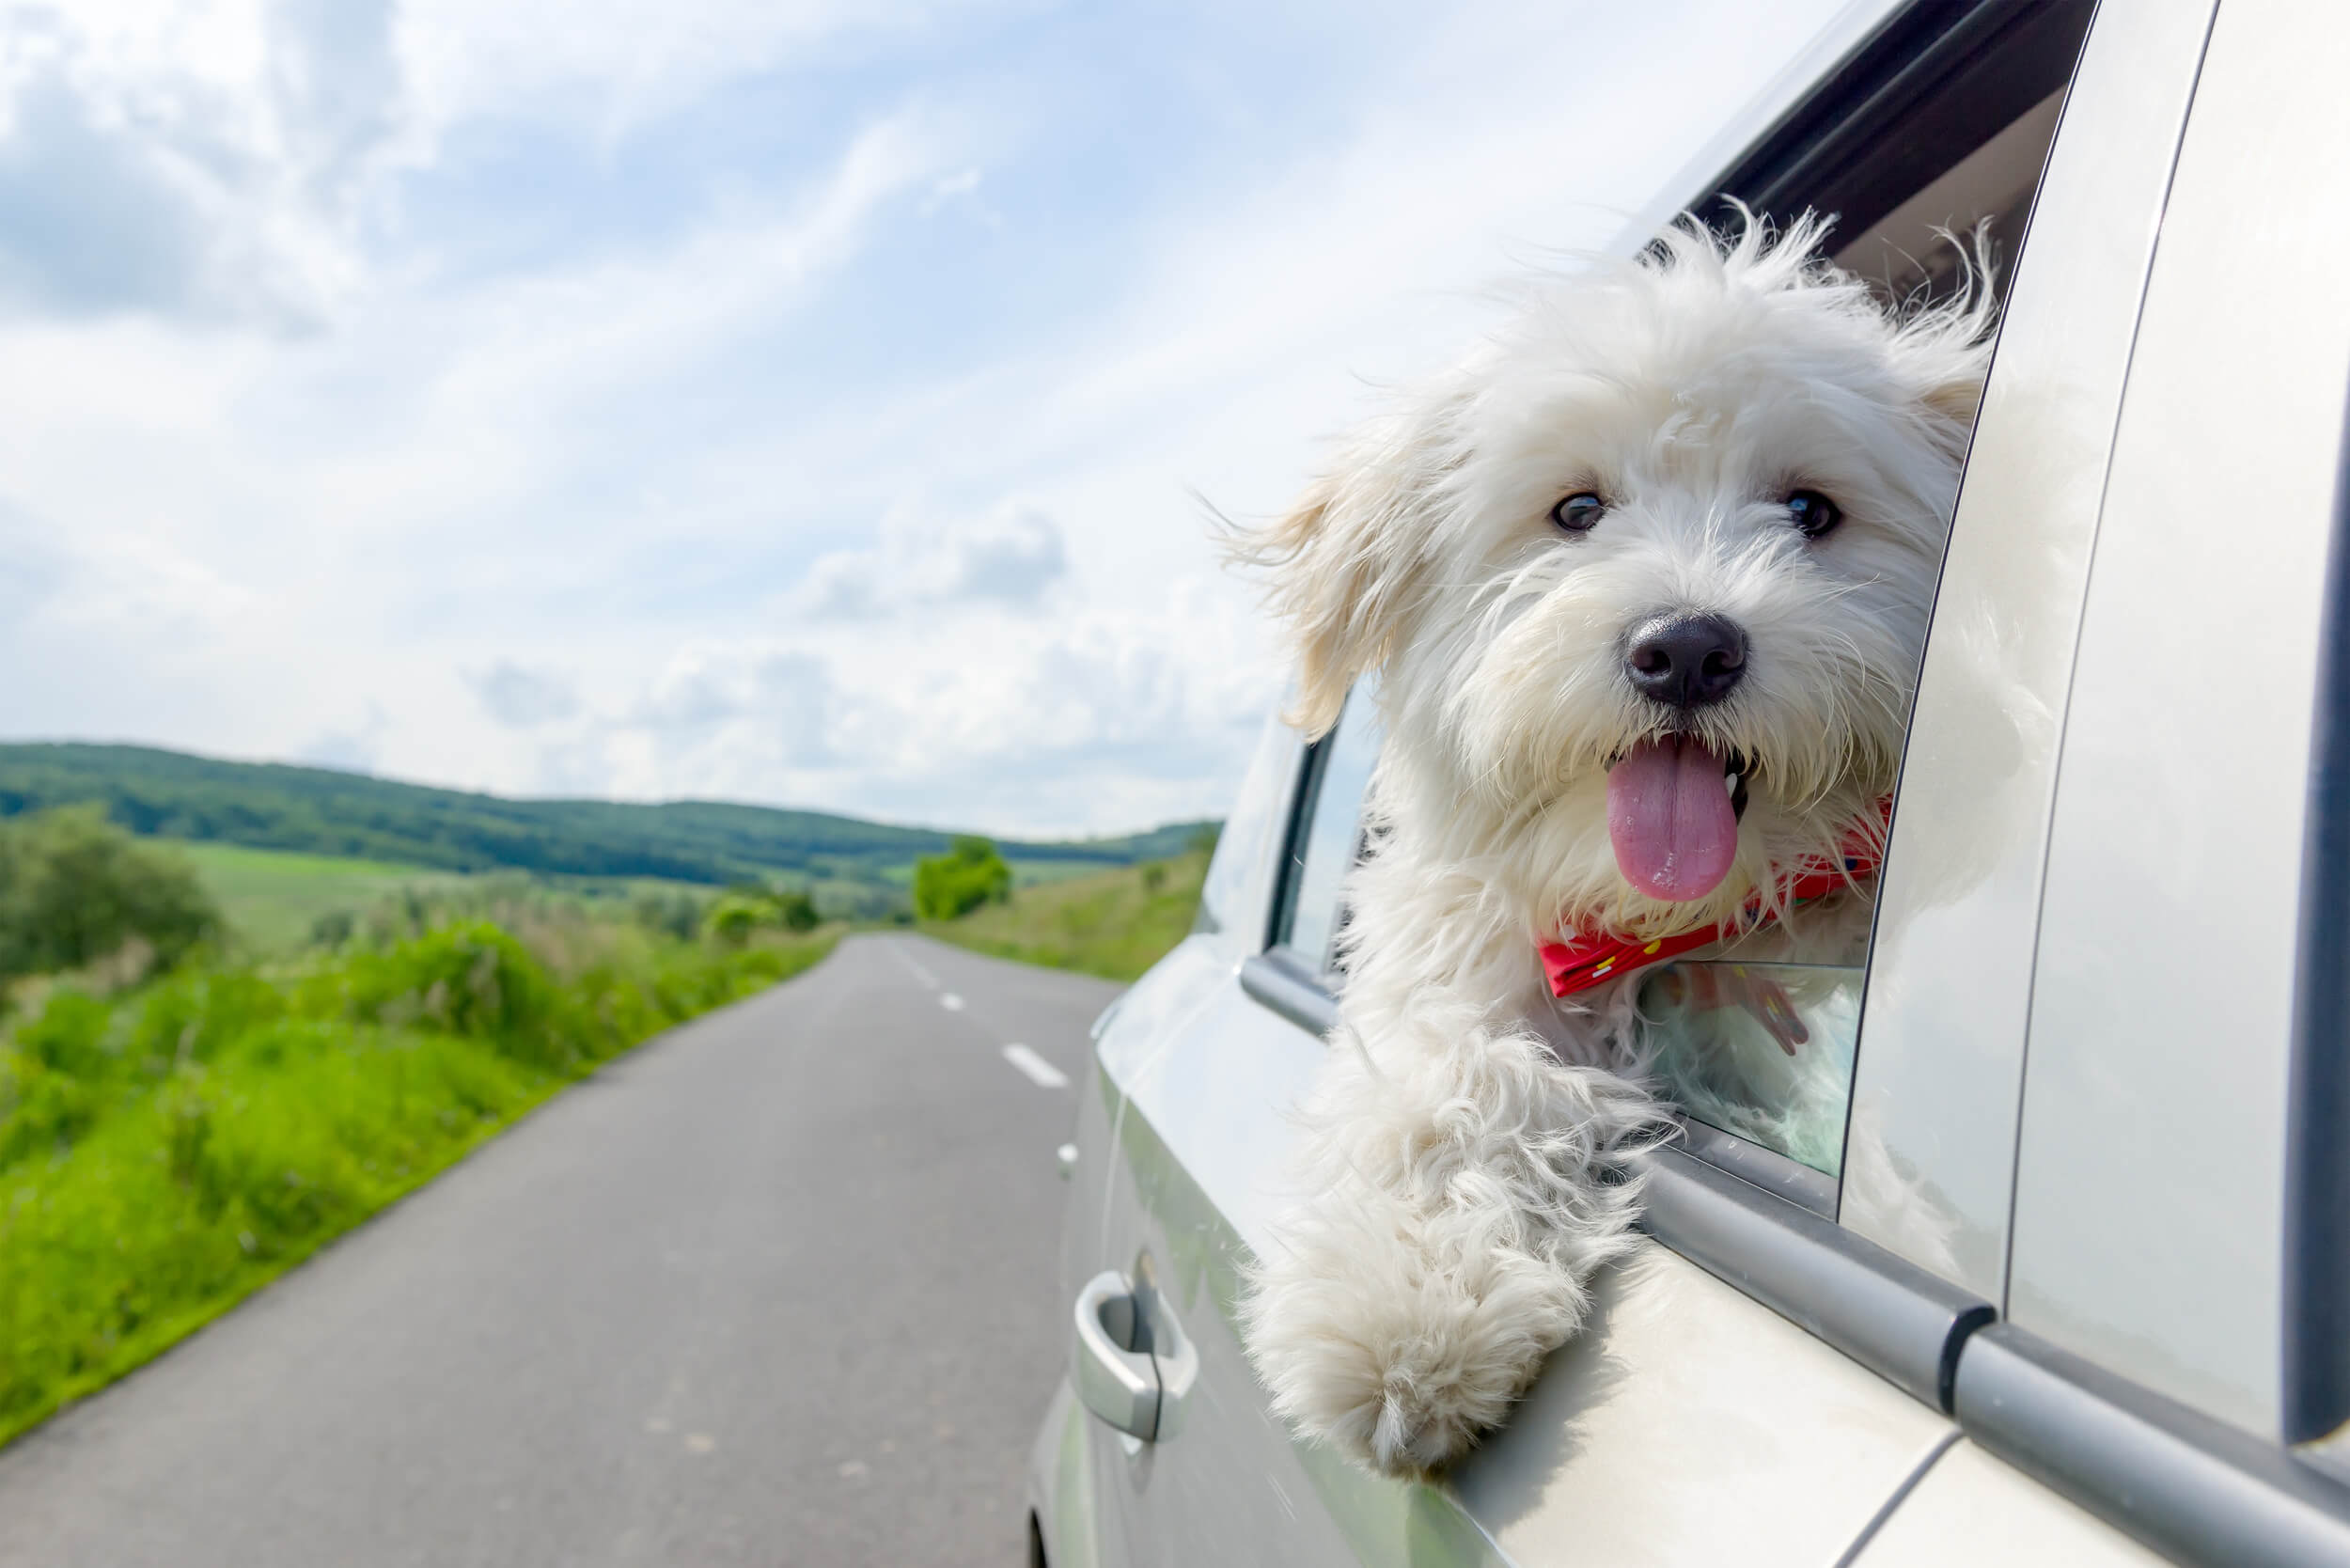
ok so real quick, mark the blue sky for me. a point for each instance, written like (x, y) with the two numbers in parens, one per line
(803, 401)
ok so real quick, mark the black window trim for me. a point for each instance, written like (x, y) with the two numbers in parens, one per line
(1851, 147)
(2317, 1131)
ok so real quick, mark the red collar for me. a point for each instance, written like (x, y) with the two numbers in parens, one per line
(1578, 962)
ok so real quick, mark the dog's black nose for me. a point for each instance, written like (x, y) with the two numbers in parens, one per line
(1686, 661)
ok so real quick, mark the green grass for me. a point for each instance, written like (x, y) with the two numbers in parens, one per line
(167, 1152)
(1115, 923)
(1036, 873)
(274, 896)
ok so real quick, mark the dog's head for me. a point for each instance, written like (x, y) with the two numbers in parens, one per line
(1647, 576)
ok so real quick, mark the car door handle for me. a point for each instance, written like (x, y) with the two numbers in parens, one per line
(1135, 1366)
(1116, 1382)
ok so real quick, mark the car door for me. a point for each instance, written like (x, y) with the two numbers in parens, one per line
(1206, 1056)
(2169, 1256)
(1765, 1382)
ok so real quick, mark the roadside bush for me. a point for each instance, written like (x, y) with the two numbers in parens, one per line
(747, 908)
(970, 875)
(75, 889)
(68, 1035)
(191, 1015)
(677, 915)
(471, 980)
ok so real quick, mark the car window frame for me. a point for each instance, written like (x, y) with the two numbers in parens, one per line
(1761, 1221)
(1275, 973)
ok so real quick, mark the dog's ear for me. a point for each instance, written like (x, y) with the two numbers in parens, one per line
(1946, 349)
(1348, 565)
(1958, 395)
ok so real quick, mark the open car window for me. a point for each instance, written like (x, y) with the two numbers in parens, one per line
(1765, 1052)
(1931, 162)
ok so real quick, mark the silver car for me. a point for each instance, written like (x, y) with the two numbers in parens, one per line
(2044, 1257)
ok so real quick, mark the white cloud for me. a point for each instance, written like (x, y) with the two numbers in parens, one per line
(617, 64)
(1010, 727)
(1010, 556)
(347, 750)
(520, 697)
(767, 498)
(203, 160)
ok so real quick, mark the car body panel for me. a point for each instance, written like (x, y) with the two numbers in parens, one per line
(1193, 1064)
(1930, 1159)
(1687, 1424)
(1234, 1478)
(1970, 1509)
(1060, 1482)
(2150, 1233)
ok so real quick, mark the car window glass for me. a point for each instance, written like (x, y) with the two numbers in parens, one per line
(1766, 1051)
(1330, 829)
(1243, 842)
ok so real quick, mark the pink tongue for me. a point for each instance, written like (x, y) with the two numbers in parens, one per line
(1669, 814)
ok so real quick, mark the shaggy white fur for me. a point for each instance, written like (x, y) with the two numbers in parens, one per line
(1464, 1145)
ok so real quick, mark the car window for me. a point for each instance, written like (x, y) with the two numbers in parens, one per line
(1766, 1051)
(1244, 843)
(1328, 834)
(1760, 1051)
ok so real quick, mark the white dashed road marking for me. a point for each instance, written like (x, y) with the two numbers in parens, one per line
(1041, 1072)
(928, 980)
(1033, 1067)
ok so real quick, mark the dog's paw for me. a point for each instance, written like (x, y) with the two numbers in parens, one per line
(1403, 1373)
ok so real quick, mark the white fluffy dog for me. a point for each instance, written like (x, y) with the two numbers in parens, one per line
(1645, 581)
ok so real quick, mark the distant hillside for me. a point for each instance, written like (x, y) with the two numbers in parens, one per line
(320, 812)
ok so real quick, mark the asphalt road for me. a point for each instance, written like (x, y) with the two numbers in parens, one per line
(780, 1287)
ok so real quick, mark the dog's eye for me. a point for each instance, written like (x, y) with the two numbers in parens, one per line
(1813, 512)
(1578, 512)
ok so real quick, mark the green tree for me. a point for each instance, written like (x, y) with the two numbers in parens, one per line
(958, 882)
(74, 889)
(795, 911)
(733, 918)
(747, 906)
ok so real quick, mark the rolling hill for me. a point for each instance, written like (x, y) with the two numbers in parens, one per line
(322, 811)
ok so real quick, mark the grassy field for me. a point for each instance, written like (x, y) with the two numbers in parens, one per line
(168, 1150)
(1115, 923)
(275, 896)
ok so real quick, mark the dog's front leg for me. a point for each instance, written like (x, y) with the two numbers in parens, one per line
(1462, 1191)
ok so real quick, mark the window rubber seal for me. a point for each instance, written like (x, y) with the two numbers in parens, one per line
(1884, 1312)
(2193, 1488)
